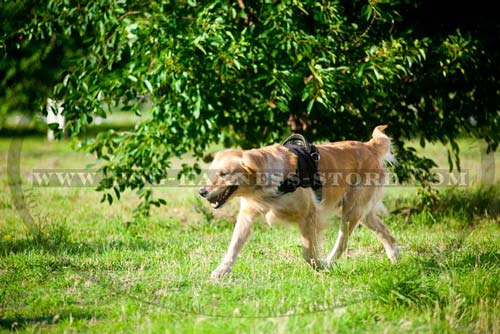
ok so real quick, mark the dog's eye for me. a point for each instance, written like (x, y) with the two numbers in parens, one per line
(223, 173)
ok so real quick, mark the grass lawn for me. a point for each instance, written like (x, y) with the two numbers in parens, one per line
(87, 268)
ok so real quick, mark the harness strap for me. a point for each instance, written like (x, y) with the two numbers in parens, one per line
(306, 175)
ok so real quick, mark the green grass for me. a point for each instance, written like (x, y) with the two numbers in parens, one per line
(85, 268)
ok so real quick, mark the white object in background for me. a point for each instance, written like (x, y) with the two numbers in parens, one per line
(53, 105)
(98, 120)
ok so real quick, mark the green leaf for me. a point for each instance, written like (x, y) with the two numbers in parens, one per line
(367, 11)
(53, 126)
(310, 106)
(148, 86)
(117, 192)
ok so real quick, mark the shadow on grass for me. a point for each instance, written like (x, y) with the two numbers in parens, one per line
(18, 323)
(57, 239)
(466, 207)
(479, 201)
(481, 259)
(424, 282)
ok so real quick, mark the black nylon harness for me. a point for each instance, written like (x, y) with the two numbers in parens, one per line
(306, 174)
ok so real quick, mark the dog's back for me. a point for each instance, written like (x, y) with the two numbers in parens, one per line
(354, 167)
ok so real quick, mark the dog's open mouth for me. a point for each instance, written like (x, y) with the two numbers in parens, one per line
(220, 199)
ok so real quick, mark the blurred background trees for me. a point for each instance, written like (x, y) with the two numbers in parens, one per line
(246, 73)
(29, 67)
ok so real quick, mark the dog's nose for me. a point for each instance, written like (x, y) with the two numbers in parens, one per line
(203, 192)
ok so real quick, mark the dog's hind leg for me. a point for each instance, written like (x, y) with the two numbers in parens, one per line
(351, 214)
(241, 232)
(375, 224)
(345, 230)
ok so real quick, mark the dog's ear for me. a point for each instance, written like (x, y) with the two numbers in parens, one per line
(253, 161)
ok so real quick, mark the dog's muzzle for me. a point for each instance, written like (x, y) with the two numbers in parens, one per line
(217, 197)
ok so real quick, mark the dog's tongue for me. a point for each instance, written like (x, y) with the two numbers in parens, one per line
(215, 205)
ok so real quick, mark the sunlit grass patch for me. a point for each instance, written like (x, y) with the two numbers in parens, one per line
(88, 267)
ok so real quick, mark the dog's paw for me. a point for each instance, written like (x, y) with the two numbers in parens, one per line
(394, 255)
(319, 265)
(220, 272)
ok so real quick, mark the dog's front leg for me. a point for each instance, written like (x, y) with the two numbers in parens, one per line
(241, 232)
(311, 234)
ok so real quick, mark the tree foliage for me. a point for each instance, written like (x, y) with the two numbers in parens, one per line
(243, 73)
(29, 67)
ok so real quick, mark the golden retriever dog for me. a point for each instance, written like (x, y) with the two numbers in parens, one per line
(352, 175)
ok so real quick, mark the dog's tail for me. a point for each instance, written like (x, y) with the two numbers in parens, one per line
(381, 144)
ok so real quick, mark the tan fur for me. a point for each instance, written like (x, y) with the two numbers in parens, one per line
(356, 203)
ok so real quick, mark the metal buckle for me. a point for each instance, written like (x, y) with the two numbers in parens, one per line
(315, 156)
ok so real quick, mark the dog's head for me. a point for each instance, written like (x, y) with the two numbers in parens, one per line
(225, 177)
(235, 173)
